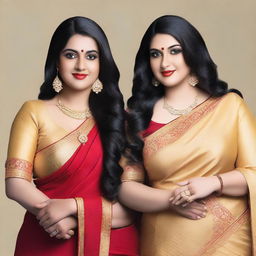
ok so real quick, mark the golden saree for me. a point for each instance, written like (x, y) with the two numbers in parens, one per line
(216, 137)
(63, 166)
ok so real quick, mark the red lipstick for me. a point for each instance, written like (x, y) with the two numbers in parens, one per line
(79, 76)
(167, 73)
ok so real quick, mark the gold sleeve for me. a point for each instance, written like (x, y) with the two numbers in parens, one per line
(132, 172)
(246, 160)
(246, 155)
(22, 144)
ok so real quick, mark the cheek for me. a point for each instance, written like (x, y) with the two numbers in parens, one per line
(154, 65)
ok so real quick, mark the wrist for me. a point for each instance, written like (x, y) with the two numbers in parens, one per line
(220, 180)
(216, 185)
(72, 206)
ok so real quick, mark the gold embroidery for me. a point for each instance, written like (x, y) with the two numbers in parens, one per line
(105, 227)
(80, 217)
(225, 224)
(19, 168)
(132, 173)
(170, 133)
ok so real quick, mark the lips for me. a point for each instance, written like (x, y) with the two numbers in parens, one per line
(167, 73)
(79, 76)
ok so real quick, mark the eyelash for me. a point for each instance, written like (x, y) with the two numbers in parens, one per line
(91, 56)
(174, 51)
(70, 55)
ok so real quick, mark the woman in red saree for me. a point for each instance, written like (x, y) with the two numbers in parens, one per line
(195, 140)
(72, 155)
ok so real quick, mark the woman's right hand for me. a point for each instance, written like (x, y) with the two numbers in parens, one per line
(63, 229)
(194, 210)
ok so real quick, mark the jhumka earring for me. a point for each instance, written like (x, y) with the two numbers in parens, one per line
(57, 84)
(193, 81)
(155, 82)
(97, 86)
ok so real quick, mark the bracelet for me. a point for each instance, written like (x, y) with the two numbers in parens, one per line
(219, 193)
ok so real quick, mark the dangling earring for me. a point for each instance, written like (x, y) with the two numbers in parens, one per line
(57, 84)
(97, 86)
(193, 81)
(155, 82)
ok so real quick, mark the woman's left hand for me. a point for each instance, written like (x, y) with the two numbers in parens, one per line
(54, 210)
(64, 229)
(195, 188)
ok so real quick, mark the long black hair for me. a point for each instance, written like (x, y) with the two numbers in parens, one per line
(107, 107)
(145, 95)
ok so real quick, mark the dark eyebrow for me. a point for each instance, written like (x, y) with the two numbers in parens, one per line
(173, 46)
(170, 47)
(75, 51)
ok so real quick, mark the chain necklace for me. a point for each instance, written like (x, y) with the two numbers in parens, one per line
(73, 113)
(180, 112)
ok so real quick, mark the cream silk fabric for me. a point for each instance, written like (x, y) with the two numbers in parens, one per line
(216, 137)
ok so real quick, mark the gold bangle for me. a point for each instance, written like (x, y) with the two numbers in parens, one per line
(219, 192)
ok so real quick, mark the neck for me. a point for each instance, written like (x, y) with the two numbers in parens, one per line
(181, 95)
(76, 100)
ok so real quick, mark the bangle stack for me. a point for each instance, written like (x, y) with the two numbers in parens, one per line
(219, 192)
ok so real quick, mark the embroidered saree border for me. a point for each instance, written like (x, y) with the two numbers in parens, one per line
(105, 227)
(175, 129)
(80, 217)
(225, 224)
(18, 168)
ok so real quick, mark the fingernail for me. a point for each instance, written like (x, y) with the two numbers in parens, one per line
(205, 207)
(198, 217)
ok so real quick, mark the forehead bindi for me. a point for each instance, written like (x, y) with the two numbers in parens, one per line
(82, 43)
(163, 41)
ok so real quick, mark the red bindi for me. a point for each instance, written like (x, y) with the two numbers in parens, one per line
(82, 50)
(162, 48)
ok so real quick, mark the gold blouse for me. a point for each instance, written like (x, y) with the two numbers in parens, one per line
(35, 147)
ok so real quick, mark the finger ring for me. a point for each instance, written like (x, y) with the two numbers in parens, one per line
(182, 194)
(55, 232)
(71, 232)
(187, 192)
(189, 200)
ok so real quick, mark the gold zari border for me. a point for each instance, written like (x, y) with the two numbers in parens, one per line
(105, 227)
(225, 224)
(18, 168)
(80, 217)
(174, 130)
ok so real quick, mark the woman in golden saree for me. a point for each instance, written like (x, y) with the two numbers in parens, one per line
(72, 155)
(196, 140)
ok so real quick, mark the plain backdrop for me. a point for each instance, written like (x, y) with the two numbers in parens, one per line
(26, 27)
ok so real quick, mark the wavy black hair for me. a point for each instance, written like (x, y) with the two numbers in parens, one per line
(144, 95)
(107, 107)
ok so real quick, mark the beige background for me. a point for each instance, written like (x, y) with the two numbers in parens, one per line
(26, 26)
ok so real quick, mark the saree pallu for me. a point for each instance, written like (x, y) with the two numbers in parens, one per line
(78, 178)
(217, 136)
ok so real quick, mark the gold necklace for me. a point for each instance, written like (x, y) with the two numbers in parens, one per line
(180, 112)
(73, 113)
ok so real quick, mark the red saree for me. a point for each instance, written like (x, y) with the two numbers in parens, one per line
(78, 177)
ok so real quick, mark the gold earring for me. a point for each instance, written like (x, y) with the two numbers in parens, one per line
(97, 86)
(57, 84)
(193, 81)
(155, 82)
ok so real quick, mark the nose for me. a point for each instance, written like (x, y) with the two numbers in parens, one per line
(165, 61)
(80, 64)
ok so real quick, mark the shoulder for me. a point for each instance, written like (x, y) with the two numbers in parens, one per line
(31, 109)
(232, 100)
